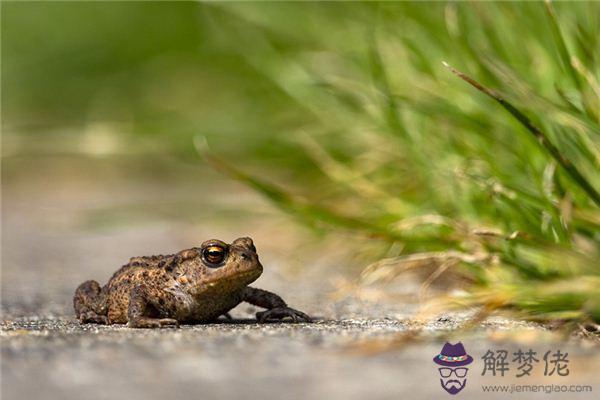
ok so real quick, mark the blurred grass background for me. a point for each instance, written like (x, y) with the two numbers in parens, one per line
(343, 115)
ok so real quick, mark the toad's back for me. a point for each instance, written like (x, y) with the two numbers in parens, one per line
(149, 272)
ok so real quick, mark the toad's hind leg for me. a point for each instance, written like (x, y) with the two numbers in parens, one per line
(89, 303)
(140, 312)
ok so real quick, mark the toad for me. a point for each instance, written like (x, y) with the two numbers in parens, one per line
(196, 285)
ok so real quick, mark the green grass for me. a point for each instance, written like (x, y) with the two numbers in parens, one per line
(500, 184)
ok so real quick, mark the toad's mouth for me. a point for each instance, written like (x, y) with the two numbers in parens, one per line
(244, 278)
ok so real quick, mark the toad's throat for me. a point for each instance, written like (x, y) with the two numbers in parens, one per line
(227, 283)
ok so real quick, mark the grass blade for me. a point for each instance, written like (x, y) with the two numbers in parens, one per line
(307, 211)
(562, 46)
(554, 152)
(382, 83)
(570, 62)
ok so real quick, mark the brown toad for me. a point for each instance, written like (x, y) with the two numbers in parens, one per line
(193, 286)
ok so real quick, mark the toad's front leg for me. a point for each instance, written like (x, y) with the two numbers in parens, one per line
(139, 311)
(277, 309)
(90, 303)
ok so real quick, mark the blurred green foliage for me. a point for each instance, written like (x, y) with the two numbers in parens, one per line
(348, 107)
(152, 74)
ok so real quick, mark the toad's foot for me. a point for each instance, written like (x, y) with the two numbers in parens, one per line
(153, 323)
(92, 317)
(282, 313)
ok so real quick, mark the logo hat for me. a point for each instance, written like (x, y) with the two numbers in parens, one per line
(453, 355)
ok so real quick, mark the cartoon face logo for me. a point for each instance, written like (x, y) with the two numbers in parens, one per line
(453, 374)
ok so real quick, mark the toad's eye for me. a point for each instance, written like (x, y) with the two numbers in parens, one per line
(214, 254)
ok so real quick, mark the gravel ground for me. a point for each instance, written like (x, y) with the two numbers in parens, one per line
(56, 358)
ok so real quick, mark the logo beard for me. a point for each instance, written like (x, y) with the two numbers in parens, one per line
(453, 386)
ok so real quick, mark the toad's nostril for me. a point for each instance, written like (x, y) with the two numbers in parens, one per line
(245, 256)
